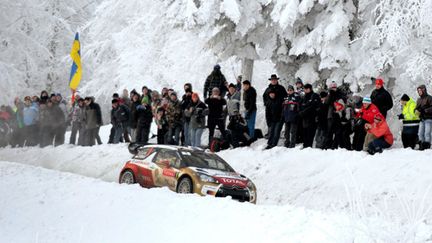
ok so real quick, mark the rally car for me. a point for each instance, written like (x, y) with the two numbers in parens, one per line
(186, 170)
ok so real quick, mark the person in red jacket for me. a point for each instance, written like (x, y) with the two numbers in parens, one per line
(380, 133)
(364, 115)
(368, 110)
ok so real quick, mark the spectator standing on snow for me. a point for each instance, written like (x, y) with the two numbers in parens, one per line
(58, 123)
(174, 117)
(308, 113)
(144, 118)
(274, 118)
(18, 131)
(93, 120)
(78, 122)
(30, 116)
(216, 104)
(279, 95)
(249, 100)
(381, 97)
(186, 100)
(291, 108)
(379, 136)
(119, 120)
(410, 122)
(215, 80)
(197, 111)
(323, 136)
(135, 102)
(233, 102)
(162, 125)
(424, 111)
(125, 97)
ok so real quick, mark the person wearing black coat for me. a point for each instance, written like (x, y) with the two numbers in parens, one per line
(215, 104)
(291, 106)
(144, 117)
(186, 100)
(119, 120)
(381, 97)
(274, 112)
(323, 140)
(135, 102)
(308, 113)
(280, 94)
(215, 80)
(249, 98)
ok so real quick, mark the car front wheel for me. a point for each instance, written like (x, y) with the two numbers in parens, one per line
(185, 185)
(127, 177)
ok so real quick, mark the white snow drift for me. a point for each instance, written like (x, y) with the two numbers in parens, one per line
(47, 206)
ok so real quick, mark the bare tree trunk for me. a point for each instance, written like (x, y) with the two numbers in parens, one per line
(247, 68)
(247, 72)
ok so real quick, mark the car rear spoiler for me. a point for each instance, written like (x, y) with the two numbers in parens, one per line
(133, 147)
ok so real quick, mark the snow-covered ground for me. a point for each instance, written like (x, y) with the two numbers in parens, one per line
(389, 188)
(42, 205)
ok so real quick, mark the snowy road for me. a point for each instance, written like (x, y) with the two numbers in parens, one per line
(50, 206)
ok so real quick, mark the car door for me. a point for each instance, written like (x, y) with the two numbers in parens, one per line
(167, 162)
(144, 159)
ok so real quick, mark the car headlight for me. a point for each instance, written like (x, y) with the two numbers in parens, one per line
(206, 178)
(250, 185)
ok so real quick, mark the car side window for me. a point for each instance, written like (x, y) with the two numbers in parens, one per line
(143, 153)
(167, 158)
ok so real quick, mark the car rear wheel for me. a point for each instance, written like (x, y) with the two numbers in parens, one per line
(127, 177)
(185, 185)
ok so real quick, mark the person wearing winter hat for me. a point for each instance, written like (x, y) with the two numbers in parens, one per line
(424, 111)
(276, 93)
(120, 114)
(215, 79)
(365, 115)
(378, 136)
(410, 122)
(215, 104)
(291, 107)
(299, 86)
(381, 97)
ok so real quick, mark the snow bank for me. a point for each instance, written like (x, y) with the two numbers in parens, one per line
(48, 206)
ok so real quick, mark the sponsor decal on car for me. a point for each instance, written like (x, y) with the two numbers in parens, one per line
(232, 181)
(169, 173)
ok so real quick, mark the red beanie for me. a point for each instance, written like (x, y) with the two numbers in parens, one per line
(379, 81)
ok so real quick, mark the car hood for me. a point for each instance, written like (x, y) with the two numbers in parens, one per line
(224, 177)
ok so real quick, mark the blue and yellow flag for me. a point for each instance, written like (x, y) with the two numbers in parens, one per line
(76, 72)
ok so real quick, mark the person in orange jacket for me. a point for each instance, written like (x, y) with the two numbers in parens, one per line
(382, 136)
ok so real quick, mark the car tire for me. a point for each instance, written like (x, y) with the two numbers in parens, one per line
(127, 177)
(185, 185)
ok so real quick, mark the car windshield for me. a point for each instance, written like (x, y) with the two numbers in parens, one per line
(204, 160)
